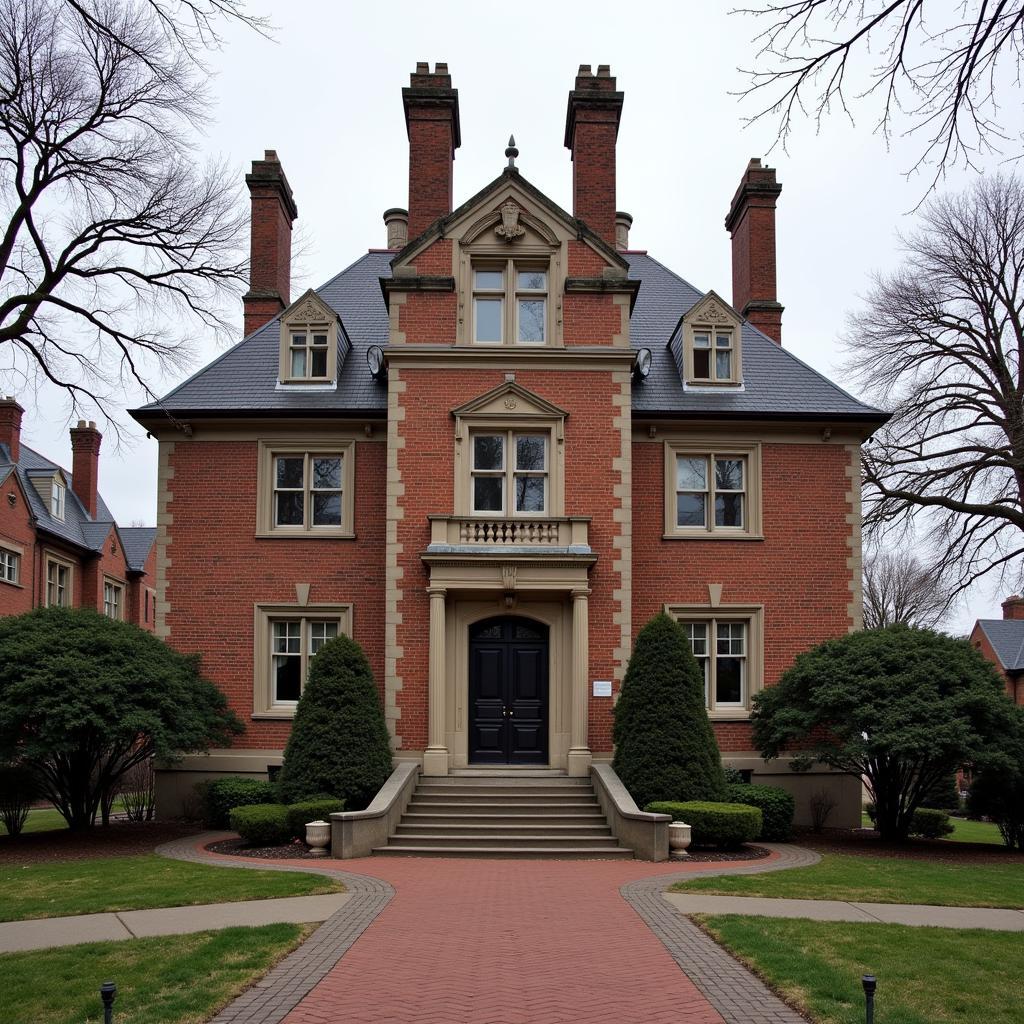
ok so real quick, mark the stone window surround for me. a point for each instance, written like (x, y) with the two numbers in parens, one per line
(710, 315)
(323, 444)
(264, 615)
(122, 588)
(51, 558)
(509, 265)
(308, 314)
(753, 616)
(510, 471)
(9, 548)
(709, 447)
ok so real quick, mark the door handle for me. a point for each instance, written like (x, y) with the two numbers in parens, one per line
(507, 713)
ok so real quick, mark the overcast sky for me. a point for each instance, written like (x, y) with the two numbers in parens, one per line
(325, 93)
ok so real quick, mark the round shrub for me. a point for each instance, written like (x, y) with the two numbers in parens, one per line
(776, 805)
(930, 823)
(221, 796)
(664, 746)
(723, 825)
(339, 740)
(262, 824)
(300, 814)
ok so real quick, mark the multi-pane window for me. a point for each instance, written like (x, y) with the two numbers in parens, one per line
(711, 492)
(510, 304)
(294, 642)
(721, 650)
(113, 600)
(58, 494)
(307, 490)
(509, 473)
(10, 566)
(307, 352)
(58, 584)
(713, 356)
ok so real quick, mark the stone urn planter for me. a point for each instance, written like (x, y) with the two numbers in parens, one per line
(318, 837)
(679, 839)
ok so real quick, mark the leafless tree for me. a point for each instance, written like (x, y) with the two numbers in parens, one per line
(939, 76)
(899, 587)
(939, 342)
(116, 241)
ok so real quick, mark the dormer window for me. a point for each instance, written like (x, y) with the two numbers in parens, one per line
(58, 494)
(713, 355)
(311, 337)
(707, 344)
(510, 303)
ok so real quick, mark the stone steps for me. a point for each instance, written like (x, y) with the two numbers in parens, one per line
(504, 814)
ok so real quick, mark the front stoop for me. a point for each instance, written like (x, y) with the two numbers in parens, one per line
(504, 814)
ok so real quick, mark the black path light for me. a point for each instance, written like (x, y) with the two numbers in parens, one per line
(108, 993)
(870, 983)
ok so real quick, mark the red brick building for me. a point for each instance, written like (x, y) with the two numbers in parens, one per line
(494, 449)
(1002, 642)
(59, 544)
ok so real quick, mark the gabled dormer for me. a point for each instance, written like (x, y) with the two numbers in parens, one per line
(52, 488)
(314, 344)
(708, 346)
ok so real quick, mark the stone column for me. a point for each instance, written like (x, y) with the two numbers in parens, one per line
(435, 758)
(579, 751)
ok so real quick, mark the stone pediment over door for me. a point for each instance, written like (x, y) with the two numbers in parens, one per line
(509, 401)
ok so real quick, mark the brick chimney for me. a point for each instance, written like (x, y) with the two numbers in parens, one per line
(273, 211)
(10, 426)
(591, 129)
(1013, 607)
(85, 464)
(432, 123)
(751, 224)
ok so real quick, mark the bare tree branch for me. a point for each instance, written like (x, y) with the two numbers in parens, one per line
(938, 76)
(900, 588)
(117, 244)
(940, 342)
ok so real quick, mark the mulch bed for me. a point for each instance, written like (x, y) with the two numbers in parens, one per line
(119, 839)
(296, 850)
(864, 842)
(744, 853)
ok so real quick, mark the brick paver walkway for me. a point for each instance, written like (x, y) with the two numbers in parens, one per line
(507, 942)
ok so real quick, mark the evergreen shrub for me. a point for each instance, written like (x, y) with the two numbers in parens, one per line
(221, 796)
(713, 824)
(262, 824)
(300, 814)
(776, 805)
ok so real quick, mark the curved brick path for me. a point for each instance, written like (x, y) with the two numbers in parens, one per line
(453, 941)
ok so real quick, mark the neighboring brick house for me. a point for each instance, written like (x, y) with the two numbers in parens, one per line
(1002, 642)
(59, 544)
(491, 452)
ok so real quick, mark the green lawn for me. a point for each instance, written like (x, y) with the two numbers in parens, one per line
(965, 831)
(925, 975)
(46, 819)
(178, 979)
(880, 880)
(139, 883)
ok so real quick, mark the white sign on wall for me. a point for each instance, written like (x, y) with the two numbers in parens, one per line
(602, 687)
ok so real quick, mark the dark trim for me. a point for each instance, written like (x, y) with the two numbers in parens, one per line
(877, 418)
(421, 283)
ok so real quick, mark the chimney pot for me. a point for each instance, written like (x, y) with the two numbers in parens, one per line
(1013, 607)
(623, 222)
(270, 250)
(591, 129)
(85, 464)
(751, 226)
(396, 220)
(10, 426)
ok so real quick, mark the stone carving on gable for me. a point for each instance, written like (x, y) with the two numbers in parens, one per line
(308, 312)
(713, 313)
(510, 229)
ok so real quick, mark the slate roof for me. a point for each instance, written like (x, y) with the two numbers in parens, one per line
(776, 384)
(77, 527)
(1007, 639)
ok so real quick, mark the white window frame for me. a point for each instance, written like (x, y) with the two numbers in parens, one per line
(710, 451)
(714, 334)
(751, 617)
(68, 588)
(265, 704)
(510, 471)
(58, 500)
(309, 332)
(113, 595)
(10, 566)
(510, 295)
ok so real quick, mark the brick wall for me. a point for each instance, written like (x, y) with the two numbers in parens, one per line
(1014, 684)
(16, 528)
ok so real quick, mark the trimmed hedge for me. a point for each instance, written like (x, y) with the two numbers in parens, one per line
(262, 824)
(776, 805)
(713, 824)
(221, 796)
(931, 823)
(310, 810)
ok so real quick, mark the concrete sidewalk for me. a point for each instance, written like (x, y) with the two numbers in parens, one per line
(989, 918)
(16, 936)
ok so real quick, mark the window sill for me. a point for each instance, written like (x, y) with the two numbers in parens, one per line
(277, 714)
(712, 535)
(304, 535)
(11, 583)
(732, 715)
(306, 385)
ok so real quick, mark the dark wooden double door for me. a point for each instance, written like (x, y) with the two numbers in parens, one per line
(508, 692)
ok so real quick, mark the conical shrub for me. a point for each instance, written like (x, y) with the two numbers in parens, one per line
(339, 740)
(665, 747)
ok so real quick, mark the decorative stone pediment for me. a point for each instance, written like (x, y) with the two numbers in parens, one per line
(509, 400)
(307, 309)
(509, 228)
(712, 310)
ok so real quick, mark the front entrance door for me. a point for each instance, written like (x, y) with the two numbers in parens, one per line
(508, 692)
